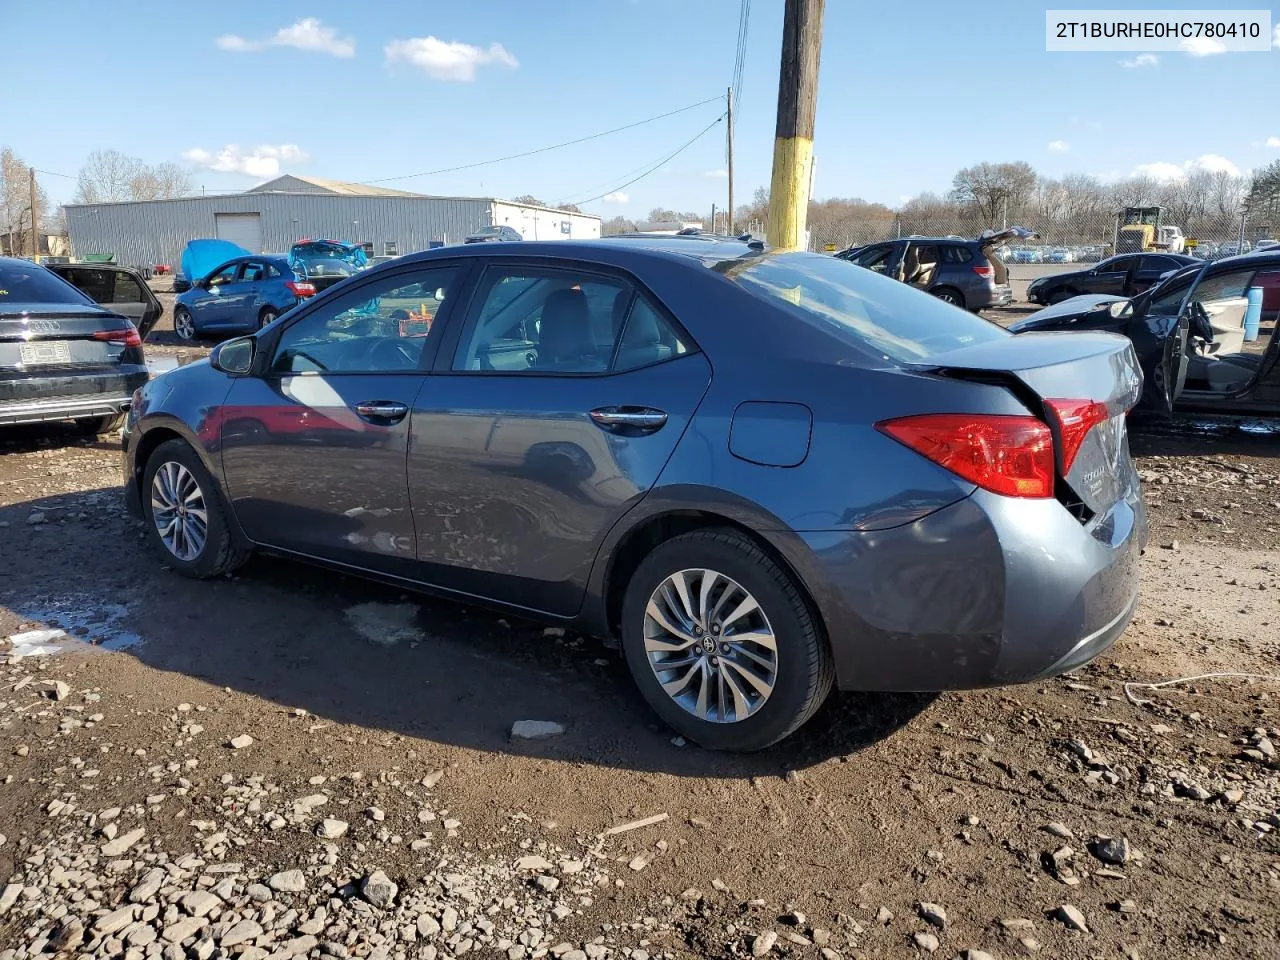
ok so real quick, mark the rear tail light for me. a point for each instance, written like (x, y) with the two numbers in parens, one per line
(300, 288)
(1075, 419)
(126, 337)
(983, 271)
(1010, 455)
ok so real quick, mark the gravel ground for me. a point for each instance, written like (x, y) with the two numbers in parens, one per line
(292, 763)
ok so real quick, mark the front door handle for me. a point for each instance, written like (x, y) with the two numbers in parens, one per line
(628, 420)
(384, 410)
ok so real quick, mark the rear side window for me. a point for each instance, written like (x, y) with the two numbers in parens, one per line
(23, 282)
(957, 255)
(126, 290)
(889, 318)
(647, 339)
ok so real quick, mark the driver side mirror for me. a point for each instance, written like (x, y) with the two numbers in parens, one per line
(234, 357)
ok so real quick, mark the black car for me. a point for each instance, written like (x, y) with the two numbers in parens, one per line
(121, 290)
(1124, 276)
(1205, 336)
(62, 356)
(497, 233)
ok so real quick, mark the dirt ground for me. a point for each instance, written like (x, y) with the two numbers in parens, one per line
(1068, 818)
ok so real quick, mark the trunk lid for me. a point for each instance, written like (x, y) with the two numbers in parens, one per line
(990, 239)
(37, 337)
(1081, 385)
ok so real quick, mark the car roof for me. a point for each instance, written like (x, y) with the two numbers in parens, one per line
(707, 250)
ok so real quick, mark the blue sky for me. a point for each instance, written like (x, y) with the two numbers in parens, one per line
(909, 93)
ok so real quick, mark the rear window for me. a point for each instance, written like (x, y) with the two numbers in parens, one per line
(22, 282)
(888, 317)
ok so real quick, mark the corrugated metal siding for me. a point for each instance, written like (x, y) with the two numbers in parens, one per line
(156, 231)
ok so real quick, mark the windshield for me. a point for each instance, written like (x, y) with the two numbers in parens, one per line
(891, 318)
(22, 282)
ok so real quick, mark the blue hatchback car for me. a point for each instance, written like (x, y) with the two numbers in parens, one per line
(241, 295)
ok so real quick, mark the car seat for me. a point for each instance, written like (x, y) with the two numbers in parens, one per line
(565, 341)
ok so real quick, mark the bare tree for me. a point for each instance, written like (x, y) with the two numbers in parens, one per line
(528, 200)
(15, 202)
(107, 176)
(161, 182)
(617, 225)
(994, 189)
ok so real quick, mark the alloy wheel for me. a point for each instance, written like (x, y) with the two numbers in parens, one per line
(710, 646)
(268, 316)
(178, 510)
(184, 326)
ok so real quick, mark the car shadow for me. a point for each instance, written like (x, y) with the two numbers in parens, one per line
(30, 437)
(354, 652)
(1188, 435)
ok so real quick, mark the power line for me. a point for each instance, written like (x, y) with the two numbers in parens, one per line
(50, 173)
(665, 160)
(554, 146)
(740, 55)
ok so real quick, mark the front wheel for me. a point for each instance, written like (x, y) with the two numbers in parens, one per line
(721, 642)
(183, 325)
(186, 519)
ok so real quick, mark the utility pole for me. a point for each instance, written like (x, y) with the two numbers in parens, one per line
(793, 135)
(729, 133)
(35, 218)
(713, 218)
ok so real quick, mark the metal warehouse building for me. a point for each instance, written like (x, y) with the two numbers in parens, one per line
(271, 217)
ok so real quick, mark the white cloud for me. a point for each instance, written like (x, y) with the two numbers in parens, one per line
(262, 161)
(1165, 172)
(1141, 60)
(616, 197)
(307, 34)
(1273, 142)
(448, 61)
(1203, 46)
(721, 174)
(1275, 37)
(1059, 146)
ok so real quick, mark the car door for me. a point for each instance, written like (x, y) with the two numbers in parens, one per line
(1110, 276)
(313, 445)
(119, 290)
(555, 403)
(211, 307)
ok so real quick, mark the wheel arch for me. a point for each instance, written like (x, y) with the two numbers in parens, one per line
(644, 536)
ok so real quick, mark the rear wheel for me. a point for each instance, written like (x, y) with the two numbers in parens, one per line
(186, 518)
(183, 325)
(721, 642)
(266, 316)
(95, 426)
(949, 295)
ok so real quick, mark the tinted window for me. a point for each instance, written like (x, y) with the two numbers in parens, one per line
(647, 338)
(252, 272)
(889, 318)
(1158, 264)
(22, 282)
(874, 258)
(543, 321)
(97, 285)
(1117, 265)
(379, 328)
(1223, 286)
(957, 255)
(1170, 295)
(127, 289)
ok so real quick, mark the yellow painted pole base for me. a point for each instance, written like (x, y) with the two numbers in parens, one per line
(789, 192)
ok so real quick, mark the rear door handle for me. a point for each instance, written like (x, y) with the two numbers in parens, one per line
(384, 410)
(629, 419)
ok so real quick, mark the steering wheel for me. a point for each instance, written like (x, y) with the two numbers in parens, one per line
(391, 354)
(1201, 327)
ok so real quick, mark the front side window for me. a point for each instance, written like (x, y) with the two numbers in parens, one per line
(1116, 265)
(542, 321)
(1231, 285)
(382, 327)
(224, 276)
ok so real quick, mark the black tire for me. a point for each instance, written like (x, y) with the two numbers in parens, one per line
(805, 671)
(220, 554)
(950, 295)
(184, 327)
(266, 316)
(96, 426)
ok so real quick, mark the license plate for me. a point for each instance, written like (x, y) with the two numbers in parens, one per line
(45, 352)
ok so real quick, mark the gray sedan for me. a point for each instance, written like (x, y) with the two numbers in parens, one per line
(768, 473)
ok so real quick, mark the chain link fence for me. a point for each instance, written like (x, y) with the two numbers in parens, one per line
(1086, 238)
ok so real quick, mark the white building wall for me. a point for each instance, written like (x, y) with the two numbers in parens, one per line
(541, 223)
